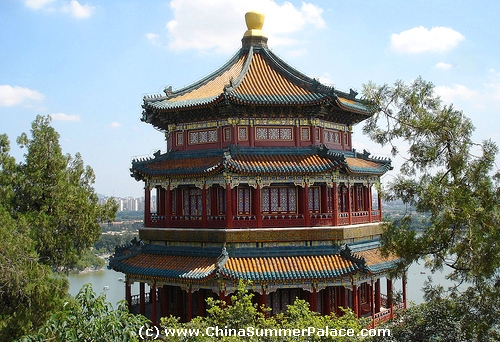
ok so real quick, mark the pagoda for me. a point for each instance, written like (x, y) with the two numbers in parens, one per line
(260, 183)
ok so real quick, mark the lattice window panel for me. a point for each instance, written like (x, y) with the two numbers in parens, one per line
(273, 133)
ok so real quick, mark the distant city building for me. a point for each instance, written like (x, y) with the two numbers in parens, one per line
(260, 183)
(126, 203)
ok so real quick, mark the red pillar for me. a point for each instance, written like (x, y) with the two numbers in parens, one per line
(324, 199)
(349, 202)
(147, 207)
(168, 207)
(204, 215)
(342, 301)
(355, 301)
(327, 300)
(190, 304)
(201, 303)
(369, 199)
(335, 205)
(377, 296)
(314, 300)
(372, 306)
(229, 206)
(298, 136)
(160, 201)
(263, 300)
(390, 297)
(258, 206)
(164, 301)
(142, 298)
(152, 296)
(307, 215)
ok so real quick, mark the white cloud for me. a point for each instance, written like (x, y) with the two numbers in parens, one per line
(78, 11)
(73, 7)
(37, 4)
(444, 66)
(64, 117)
(15, 95)
(420, 39)
(115, 125)
(153, 38)
(219, 25)
(457, 92)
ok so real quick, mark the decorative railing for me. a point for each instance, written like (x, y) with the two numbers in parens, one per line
(268, 220)
(135, 300)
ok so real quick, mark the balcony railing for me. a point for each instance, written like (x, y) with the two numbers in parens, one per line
(268, 220)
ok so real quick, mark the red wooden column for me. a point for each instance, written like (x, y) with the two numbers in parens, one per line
(324, 199)
(263, 300)
(160, 201)
(335, 205)
(377, 296)
(327, 300)
(390, 297)
(224, 298)
(229, 206)
(190, 304)
(128, 294)
(168, 207)
(369, 200)
(298, 136)
(307, 215)
(372, 304)
(204, 214)
(152, 297)
(142, 298)
(349, 202)
(355, 300)
(147, 206)
(342, 300)
(314, 300)
(258, 206)
(164, 300)
(201, 303)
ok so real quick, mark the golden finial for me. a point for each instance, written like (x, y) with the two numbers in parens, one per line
(254, 21)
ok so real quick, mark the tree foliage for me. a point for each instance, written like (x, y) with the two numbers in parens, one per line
(49, 216)
(55, 193)
(454, 181)
(90, 318)
(242, 314)
(29, 291)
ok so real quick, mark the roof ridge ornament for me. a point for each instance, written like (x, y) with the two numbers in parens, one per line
(254, 36)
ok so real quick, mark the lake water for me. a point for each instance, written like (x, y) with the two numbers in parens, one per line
(110, 282)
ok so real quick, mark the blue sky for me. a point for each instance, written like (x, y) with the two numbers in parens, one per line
(89, 63)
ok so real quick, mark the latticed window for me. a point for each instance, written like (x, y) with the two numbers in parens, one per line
(173, 199)
(221, 201)
(279, 200)
(243, 201)
(314, 199)
(343, 197)
(192, 202)
(359, 198)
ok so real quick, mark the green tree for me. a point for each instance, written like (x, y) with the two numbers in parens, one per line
(29, 291)
(451, 179)
(90, 318)
(54, 192)
(248, 322)
(49, 216)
